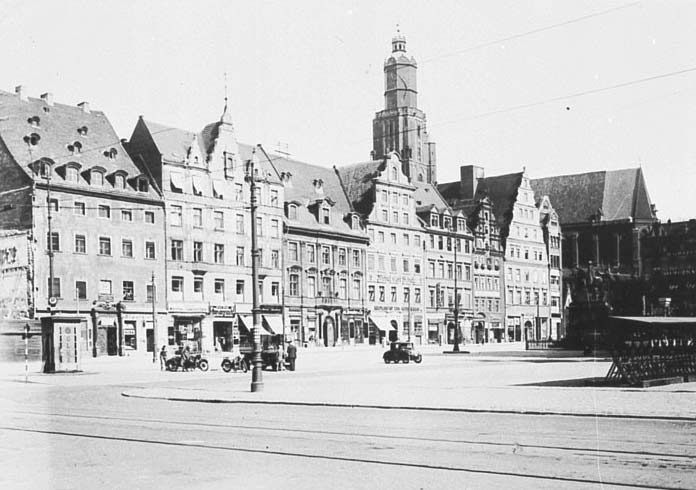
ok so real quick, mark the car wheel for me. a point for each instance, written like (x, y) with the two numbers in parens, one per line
(406, 360)
(203, 365)
(386, 360)
(171, 365)
(418, 359)
(226, 365)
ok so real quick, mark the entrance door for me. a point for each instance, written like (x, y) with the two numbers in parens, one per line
(150, 339)
(328, 332)
(111, 341)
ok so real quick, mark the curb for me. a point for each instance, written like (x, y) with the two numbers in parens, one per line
(412, 408)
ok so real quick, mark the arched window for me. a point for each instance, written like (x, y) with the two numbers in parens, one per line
(292, 211)
(394, 173)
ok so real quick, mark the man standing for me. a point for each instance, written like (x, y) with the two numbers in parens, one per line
(291, 356)
(163, 357)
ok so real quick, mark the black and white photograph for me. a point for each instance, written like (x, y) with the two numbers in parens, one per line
(344, 244)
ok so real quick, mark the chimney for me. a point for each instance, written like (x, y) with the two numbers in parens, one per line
(21, 90)
(469, 176)
(84, 106)
(48, 98)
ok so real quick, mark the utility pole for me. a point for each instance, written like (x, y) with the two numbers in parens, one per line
(51, 299)
(257, 370)
(154, 320)
(456, 300)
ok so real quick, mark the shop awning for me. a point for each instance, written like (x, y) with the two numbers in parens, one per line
(219, 187)
(247, 321)
(177, 181)
(273, 323)
(383, 323)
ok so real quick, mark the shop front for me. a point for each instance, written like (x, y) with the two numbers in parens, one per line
(352, 331)
(187, 331)
(386, 327)
(224, 334)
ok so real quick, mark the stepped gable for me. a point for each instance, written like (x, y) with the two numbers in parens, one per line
(358, 182)
(611, 195)
(302, 189)
(502, 192)
(58, 126)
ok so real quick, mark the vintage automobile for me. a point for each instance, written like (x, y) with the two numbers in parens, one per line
(401, 351)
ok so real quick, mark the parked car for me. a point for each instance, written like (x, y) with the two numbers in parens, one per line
(401, 351)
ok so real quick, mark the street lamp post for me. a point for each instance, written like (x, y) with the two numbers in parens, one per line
(51, 298)
(257, 370)
(456, 300)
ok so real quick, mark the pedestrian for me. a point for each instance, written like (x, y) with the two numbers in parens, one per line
(163, 357)
(186, 358)
(291, 356)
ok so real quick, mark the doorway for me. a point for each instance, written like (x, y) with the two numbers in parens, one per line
(111, 341)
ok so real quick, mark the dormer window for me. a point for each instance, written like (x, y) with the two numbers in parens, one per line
(326, 216)
(35, 121)
(434, 220)
(447, 223)
(318, 186)
(72, 174)
(143, 185)
(119, 181)
(460, 224)
(32, 139)
(355, 222)
(82, 131)
(111, 153)
(76, 147)
(96, 178)
(292, 211)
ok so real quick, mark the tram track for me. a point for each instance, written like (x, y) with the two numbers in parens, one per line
(326, 457)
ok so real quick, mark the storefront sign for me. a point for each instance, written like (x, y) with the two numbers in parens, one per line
(223, 311)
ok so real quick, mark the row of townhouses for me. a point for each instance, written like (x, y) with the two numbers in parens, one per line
(149, 239)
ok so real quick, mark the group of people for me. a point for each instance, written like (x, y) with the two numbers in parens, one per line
(185, 352)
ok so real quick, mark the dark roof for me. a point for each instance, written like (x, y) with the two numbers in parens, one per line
(358, 182)
(612, 195)
(302, 190)
(58, 128)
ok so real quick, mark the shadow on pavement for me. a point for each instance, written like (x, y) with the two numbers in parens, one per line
(597, 382)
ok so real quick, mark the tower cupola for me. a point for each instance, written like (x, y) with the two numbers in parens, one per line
(398, 42)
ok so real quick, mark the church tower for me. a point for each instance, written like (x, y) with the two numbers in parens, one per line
(401, 126)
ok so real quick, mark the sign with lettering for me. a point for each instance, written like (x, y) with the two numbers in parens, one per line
(223, 310)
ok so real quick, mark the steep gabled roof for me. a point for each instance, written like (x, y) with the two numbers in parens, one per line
(502, 192)
(611, 195)
(358, 181)
(57, 129)
(302, 190)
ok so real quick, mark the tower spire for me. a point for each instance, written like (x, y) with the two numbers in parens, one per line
(226, 116)
(398, 41)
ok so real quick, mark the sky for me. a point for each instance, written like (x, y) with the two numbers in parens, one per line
(558, 87)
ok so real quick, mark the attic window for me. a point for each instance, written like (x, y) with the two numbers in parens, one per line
(32, 139)
(394, 173)
(433, 219)
(97, 178)
(82, 131)
(326, 216)
(447, 223)
(34, 121)
(119, 181)
(355, 222)
(292, 211)
(142, 185)
(111, 154)
(76, 147)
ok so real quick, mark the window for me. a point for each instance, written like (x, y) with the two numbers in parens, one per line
(219, 253)
(371, 261)
(149, 217)
(274, 198)
(104, 245)
(342, 288)
(128, 292)
(380, 236)
(393, 238)
(342, 256)
(417, 241)
(292, 249)
(417, 296)
(198, 251)
(259, 257)
(370, 293)
(381, 294)
(142, 185)
(416, 266)
(407, 239)
(220, 287)
(326, 256)
(407, 295)
(239, 290)
(326, 216)
(54, 288)
(431, 268)
(406, 268)
(53, 241)
(292, 211)
(127, 248)
(311, 286)
(433, 220)
(356, 258)
(79, 208)
(432, 298)
(198, 286)
(259, 226)
(176, 215)
(393, 264)
(385, 196)
(385, 215)
(149, 293)
(275, 291)
(219, 219)
(294, 285)
(395, 217)
(275, 228)
(239, 223)
(356, 294)
(177, 287)
(275, 259)
(97, 178)
(72, 175)
(126, 215)
(177, 250)
(149, 250)
(380, 262)
(104, 211)
(80, 244)
(238, 192)
(105, 287)
(53, 204)
(81, 289)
